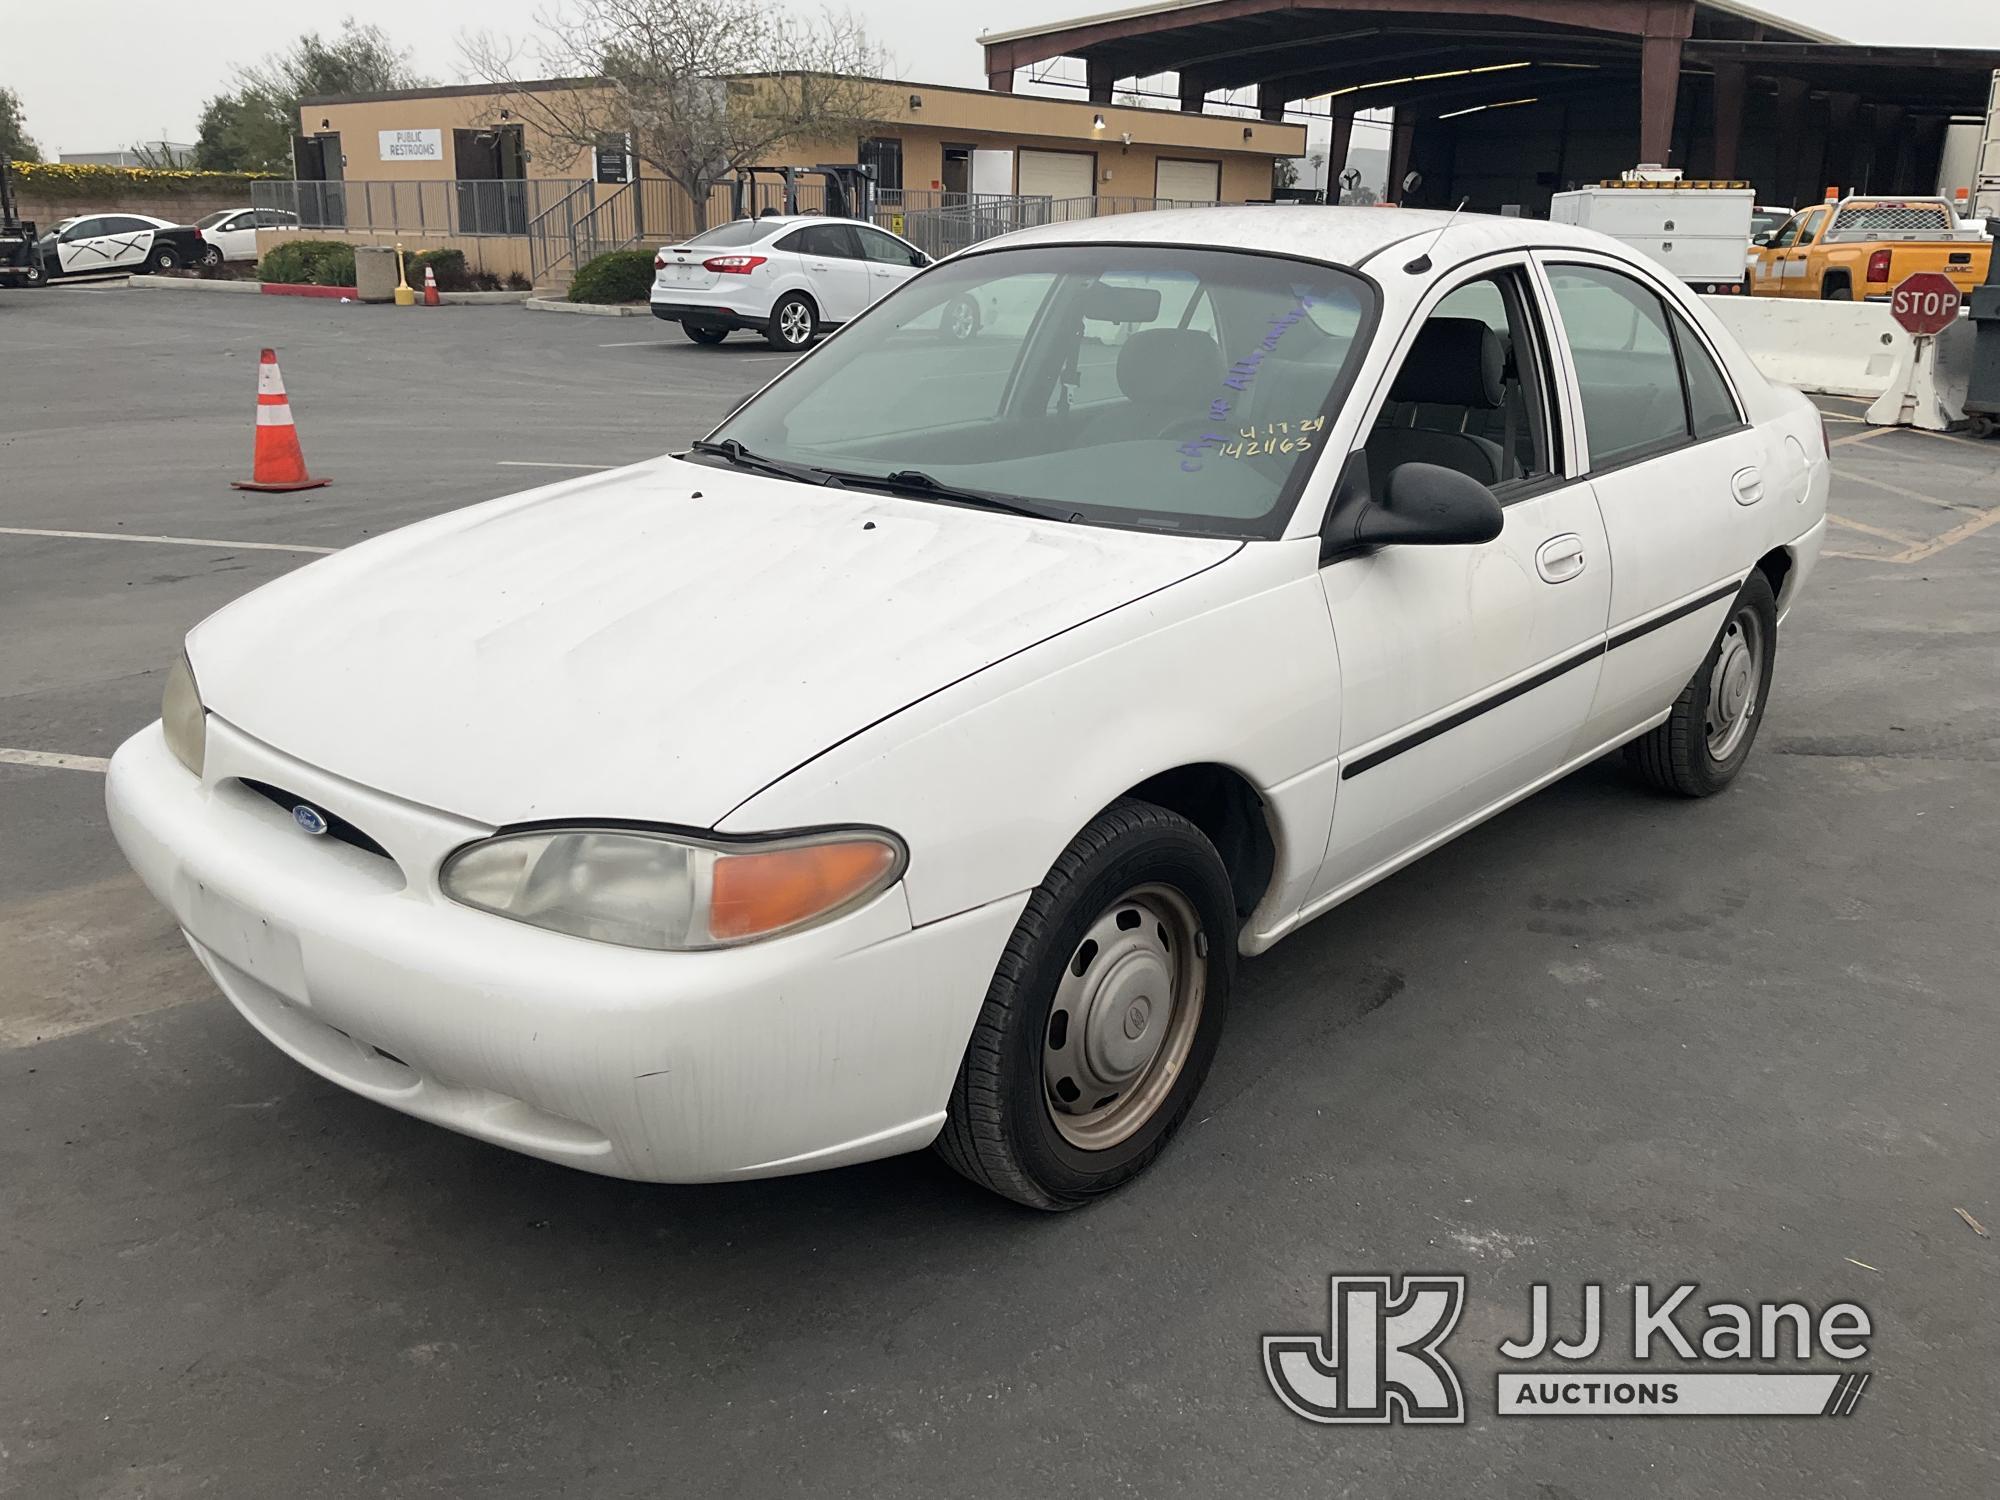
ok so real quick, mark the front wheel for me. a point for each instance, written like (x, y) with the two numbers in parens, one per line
(792, 323)
(33, 274)
(1102, 1017)
(1706, 739)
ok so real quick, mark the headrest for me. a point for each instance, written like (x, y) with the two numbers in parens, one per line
(1160, 365)
(1455, 362)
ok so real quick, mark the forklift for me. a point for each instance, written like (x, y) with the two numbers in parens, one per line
(848, 191)
(20, 253)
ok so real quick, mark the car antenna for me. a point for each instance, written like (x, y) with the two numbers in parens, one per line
(1422, 263)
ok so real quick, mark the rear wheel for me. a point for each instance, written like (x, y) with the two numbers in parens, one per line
(961, 319)
(1707, 737)
(164, 258)
(1836, 289)
(792, 323)
(1102, 1017)
(703, 334)
(211, 255)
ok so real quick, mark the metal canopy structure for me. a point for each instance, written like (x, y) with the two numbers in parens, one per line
(1670, 81)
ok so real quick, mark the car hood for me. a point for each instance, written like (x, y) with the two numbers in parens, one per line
(658, 643)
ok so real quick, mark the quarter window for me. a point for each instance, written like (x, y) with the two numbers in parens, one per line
(1710, 403)
(1626, 364)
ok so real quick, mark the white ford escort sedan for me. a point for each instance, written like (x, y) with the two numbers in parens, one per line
(911, 761)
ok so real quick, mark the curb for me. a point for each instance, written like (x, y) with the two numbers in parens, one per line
(479, 299)
(590, 309)
(182, 284)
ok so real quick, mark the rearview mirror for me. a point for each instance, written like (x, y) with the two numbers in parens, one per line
(1426, 506)
(1120, 304)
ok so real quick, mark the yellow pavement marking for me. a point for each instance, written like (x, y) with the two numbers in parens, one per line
(162, 541)
(1866, 530)
(1862, 437)
(54, 759)
(1907, 493)
(1951, 437)
(1951, 538)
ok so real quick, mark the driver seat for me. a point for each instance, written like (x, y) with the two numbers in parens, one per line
(1457, 363)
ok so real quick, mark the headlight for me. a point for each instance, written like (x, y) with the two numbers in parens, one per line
(656, 890)
(183, 717)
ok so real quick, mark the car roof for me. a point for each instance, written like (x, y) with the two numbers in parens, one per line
(1339, 236)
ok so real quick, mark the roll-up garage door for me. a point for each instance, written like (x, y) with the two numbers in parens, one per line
(1060, 174)
(1189, 181)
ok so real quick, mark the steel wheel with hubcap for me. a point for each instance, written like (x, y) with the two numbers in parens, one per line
(1103, 1015)
(1707, 736)
(166, 258)
(792, 323)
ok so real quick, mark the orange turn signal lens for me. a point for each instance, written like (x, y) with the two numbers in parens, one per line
(765, 891)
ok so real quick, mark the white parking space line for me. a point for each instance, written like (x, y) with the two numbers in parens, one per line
(53, 758)
(163, 541)
(536, 463)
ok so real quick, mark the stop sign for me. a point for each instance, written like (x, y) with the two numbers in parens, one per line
(1927, 304)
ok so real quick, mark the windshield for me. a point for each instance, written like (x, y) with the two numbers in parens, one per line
(209, 221)
(735, 232)
(1153, 386)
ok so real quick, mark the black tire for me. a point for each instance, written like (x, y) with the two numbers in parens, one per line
(794, 323)
(961, 319)
(1679, 756)
(1000, 1130)
(1836, 291)
(703, 334)
(33, 274)
(164, 258)
(211, 255)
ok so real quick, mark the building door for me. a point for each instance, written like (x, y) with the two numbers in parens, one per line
(1188, 181)
(956, 174)
(317, 160)
(490, 164)
(1058, 174)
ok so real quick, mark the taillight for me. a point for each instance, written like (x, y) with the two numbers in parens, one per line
(733, 265)
(659, 263)
(1878, 267)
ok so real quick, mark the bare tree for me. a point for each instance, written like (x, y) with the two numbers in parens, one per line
(702, 87)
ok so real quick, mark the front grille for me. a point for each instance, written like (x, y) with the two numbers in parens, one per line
(337, 827)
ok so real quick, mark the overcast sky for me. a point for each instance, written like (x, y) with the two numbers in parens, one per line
(95, 77)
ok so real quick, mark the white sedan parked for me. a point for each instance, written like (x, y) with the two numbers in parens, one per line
(788, 277)
(233, 231)
(911, 761)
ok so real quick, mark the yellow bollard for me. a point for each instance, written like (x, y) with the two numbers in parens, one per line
(405, 297)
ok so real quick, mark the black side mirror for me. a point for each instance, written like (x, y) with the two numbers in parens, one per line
(1426, 506)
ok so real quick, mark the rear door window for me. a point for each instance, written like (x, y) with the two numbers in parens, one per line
(1628, 368)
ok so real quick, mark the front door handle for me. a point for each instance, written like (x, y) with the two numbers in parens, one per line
(1747, 486)
(1560, 558)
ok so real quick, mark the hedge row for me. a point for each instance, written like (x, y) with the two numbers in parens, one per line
(85, 182)
(309, 263)
(620, 276)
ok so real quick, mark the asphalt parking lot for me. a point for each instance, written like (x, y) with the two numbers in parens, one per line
(1607, 1037)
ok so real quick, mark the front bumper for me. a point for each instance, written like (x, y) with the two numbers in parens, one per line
(830, 1046)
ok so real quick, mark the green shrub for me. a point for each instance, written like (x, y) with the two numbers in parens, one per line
(449, 265)
(621, 276)
(309, 262)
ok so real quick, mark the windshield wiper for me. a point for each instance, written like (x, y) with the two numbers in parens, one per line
(916, 482)
(743, 458)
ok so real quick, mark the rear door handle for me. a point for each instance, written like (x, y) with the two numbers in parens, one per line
(1748, 486)
(1561, 558)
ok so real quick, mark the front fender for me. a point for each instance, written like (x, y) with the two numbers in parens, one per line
(989, 780)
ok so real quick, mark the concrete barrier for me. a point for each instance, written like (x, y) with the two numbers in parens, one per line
(1827, 348)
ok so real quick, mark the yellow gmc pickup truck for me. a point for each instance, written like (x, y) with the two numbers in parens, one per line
(1864, 247)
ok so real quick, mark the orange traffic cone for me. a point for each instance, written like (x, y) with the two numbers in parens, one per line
(277, 463)
(430, 287)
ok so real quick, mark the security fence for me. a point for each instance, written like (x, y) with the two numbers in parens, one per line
(568, 223)
(455, 206)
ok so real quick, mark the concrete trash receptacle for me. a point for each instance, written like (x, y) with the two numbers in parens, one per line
(374, 273)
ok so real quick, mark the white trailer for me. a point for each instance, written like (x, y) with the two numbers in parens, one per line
(1986, 198)
(1699, 231)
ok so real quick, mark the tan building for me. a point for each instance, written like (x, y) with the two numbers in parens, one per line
(461, 166)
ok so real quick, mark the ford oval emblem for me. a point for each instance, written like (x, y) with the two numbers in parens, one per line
(310, 819)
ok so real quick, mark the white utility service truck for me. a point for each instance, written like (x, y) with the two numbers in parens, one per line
(1700, 231)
